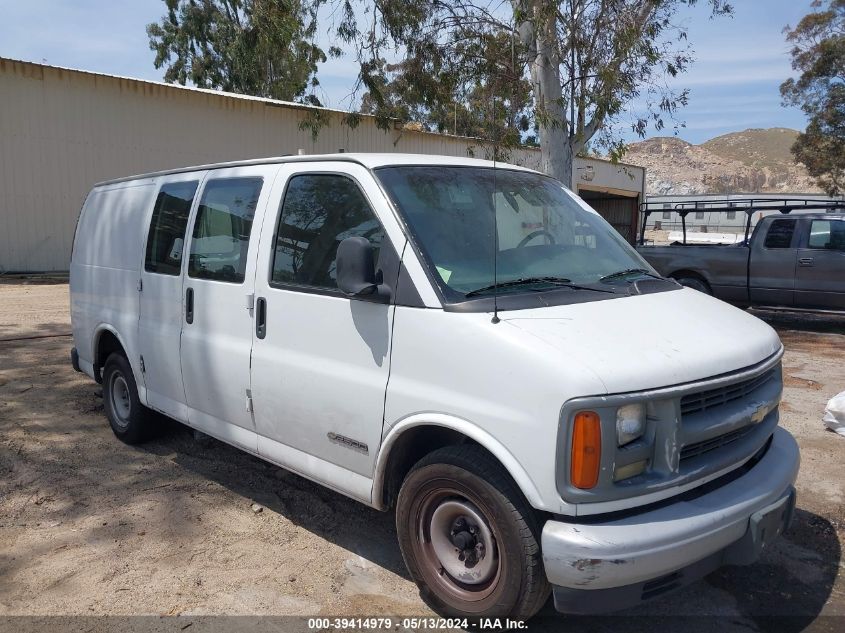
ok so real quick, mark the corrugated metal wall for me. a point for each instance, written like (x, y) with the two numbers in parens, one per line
(61, 131)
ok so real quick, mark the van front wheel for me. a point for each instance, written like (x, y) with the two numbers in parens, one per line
(129, 419)
(469, 538)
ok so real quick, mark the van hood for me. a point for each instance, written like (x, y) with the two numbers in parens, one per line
(651, 341)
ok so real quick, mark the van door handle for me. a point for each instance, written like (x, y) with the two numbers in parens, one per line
(189, 305)
(261, 317)
(805, 261)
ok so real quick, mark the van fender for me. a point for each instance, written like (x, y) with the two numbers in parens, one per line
(139, 379)
(464, 427)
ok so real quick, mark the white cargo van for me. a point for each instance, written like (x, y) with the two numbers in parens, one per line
(465, 342)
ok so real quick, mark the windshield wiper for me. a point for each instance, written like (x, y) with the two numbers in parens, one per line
(630, 271)
(527, 281)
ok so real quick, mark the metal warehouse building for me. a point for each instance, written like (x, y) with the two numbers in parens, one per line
(63, 130)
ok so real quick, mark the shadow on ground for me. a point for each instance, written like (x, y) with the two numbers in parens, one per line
(328, 514)
(55, 443)
(784, 591)
(803, 322)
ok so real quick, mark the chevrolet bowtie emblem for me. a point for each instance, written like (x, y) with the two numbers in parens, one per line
(759, 413)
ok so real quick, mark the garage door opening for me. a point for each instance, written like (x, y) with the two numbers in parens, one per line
(620, 210)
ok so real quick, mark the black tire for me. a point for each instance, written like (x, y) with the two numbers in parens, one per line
(696, 284)
(131, 421)
(448, 480)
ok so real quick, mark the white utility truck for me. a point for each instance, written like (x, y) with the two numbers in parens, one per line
(465, 342)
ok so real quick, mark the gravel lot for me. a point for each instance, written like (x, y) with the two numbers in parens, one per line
(89, 526)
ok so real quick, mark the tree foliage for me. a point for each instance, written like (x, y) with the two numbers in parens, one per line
(818, 54)
(560, 73)
(480, 91)
(588, 67)
(263, 48)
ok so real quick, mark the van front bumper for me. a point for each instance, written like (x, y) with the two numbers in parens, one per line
(599, 566)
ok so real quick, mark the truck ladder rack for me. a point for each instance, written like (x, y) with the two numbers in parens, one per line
(743, 205)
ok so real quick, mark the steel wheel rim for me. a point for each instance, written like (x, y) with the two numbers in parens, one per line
(121, 403)
(466, 580)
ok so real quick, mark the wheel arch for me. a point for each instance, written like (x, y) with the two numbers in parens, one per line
(412, 438)
(106, 341)
(689, 272)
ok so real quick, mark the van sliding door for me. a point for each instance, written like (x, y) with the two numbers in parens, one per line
(216, 298)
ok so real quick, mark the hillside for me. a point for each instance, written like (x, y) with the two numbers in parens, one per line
(755, 160)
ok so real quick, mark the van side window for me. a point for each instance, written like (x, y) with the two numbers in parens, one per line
(222, 227)
(827, 234)
(319, 210)
(780, 234)
(166, 238)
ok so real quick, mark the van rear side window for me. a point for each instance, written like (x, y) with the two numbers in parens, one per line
(222, 227)
(166, 238)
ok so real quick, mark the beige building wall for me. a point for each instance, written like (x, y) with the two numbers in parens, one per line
(62, 131)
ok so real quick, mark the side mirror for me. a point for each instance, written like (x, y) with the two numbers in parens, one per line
(356, 269)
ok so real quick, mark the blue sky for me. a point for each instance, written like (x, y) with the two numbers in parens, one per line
(733, 85)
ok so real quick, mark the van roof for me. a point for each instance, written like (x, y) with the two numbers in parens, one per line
(370, 161)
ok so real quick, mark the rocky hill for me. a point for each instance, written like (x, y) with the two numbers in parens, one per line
(755, 160)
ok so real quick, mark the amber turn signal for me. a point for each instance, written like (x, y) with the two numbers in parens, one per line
(586, 450)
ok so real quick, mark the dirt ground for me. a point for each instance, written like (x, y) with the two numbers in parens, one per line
(90, 526)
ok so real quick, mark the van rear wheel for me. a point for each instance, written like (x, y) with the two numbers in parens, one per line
(130, 420)
(469, 538)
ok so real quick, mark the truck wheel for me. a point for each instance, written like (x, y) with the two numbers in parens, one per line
(130, 420)
(696, 284)
(469, 538)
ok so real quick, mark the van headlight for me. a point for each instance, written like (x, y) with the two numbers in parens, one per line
(630, 423)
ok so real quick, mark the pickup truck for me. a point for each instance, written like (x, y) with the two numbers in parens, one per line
(790, 262)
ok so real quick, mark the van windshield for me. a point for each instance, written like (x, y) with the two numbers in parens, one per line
(545, 238)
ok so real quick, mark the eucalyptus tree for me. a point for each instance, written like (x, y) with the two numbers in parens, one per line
(592, 67)
(818, 54)
(264, 48)
(563, 73)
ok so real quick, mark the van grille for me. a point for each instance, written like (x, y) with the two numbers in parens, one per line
(704, 400)
(699, 448)
(726, 419)
(662, 585)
